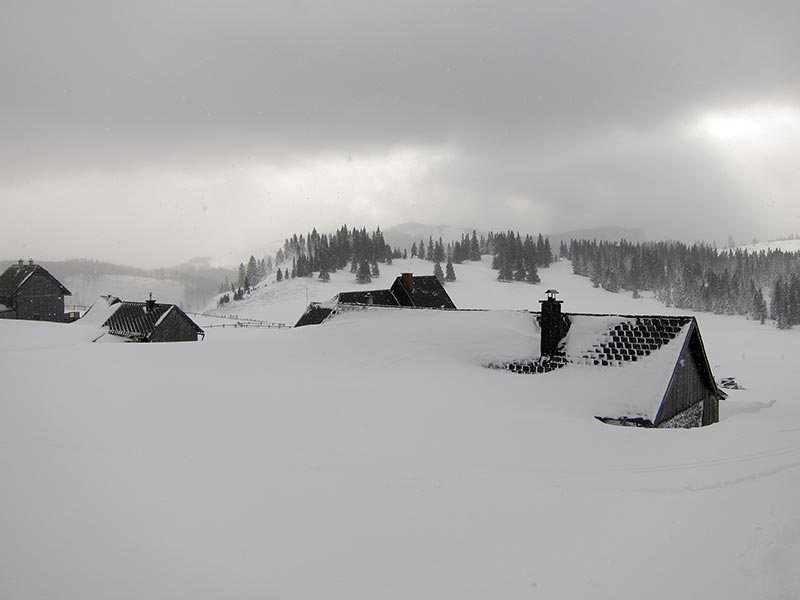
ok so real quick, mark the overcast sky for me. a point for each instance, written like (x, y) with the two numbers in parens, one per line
(151, 132)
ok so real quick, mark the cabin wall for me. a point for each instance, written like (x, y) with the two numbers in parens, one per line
(689, 392)
(174, 328)
(40, 299)
(710, 410)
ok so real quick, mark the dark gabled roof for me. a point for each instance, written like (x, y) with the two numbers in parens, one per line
(315, 314)
(377, 297)
(15, 276)
(134, 320)
(426, 292)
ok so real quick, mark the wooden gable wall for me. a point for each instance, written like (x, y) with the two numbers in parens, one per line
(40, 298)
(176, 327)
(690, 388)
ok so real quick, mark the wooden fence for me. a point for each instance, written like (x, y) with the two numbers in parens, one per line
(238, 319)
(241, 324)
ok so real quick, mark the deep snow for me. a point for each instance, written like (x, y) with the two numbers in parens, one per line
(375, 457)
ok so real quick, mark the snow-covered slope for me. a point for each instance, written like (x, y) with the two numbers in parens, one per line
(375, 457)
(476, 287)
(784, 245)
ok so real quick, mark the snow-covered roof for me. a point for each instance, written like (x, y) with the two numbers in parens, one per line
(611, 365)
(138, 320)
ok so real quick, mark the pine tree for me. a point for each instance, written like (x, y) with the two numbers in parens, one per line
(532, 275)
(374, 269)
(776, 305)
(438, 251)
(437, 272)
(413, 250)
(324, 275)
(474, 247)
(279, 275)
(363, 274)
(759, 310)
(449, 272)
(251, 271)
(505, 273)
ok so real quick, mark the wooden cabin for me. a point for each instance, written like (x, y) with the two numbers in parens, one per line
(151, 321)
(683, 392)
(422, 291)
(29, 291)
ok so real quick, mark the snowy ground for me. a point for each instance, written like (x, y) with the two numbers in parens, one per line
(784, 245)
(374, 457)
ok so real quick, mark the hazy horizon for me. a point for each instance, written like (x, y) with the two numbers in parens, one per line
(148, 134)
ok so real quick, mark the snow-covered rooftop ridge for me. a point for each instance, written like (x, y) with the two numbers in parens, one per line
(163, 316)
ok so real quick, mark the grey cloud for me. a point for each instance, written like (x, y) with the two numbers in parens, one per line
(520, 90)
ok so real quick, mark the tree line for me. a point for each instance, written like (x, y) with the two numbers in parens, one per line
(697, 277)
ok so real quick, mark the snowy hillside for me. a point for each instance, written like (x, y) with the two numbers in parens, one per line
(376, 457)
(476, 287)
(784, 245)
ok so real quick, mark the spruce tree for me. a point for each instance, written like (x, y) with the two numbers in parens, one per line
(438, 251)
(449, 271)
(363, 274)
(437, 272)
(532, 275)
(324, 275)
(505, 273)
(374, 269)
(251, 271)
(279, 275)
(776, 305)
(759, 310)
(474, 247)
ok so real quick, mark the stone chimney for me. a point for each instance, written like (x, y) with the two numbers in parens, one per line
(21, 262)
(30, 262)
(408, 280)
(150, 304)
(552, 324)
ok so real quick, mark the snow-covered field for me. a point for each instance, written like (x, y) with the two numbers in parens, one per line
(375, 457)
(784, 245)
